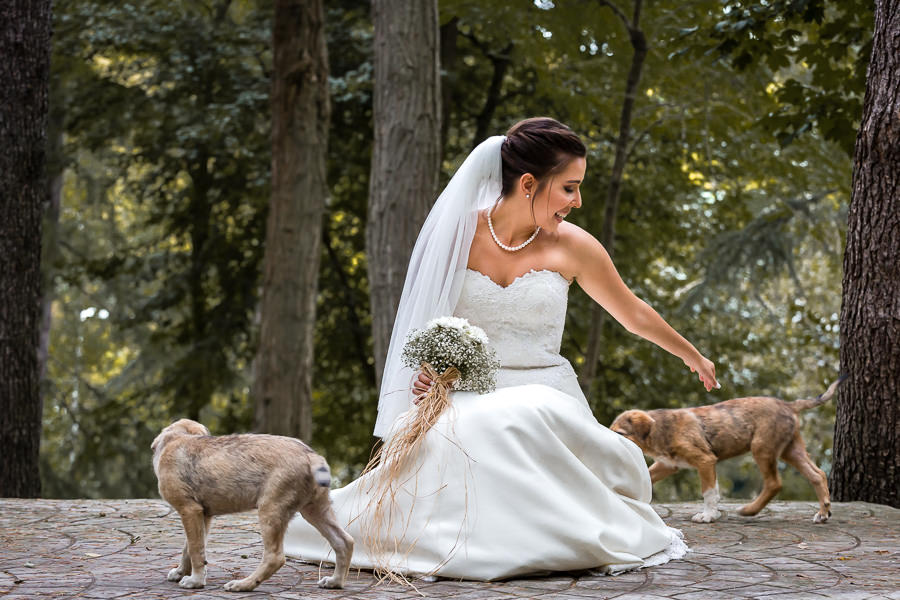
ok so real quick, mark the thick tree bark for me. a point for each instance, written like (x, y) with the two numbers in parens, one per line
(406, 154)
(283, 369)
(608, 235)
(867, 427)
(24, 80)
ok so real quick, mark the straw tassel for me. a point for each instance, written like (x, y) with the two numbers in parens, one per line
(392, 459)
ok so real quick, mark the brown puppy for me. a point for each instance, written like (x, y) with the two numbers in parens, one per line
(699, 437)
(202, 476)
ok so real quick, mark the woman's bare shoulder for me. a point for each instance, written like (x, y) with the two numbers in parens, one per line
(582, 251)
(574, 238)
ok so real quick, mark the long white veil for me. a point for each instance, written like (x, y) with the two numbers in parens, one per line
(437, 266)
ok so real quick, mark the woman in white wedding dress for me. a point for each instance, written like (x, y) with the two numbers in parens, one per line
(523, 479)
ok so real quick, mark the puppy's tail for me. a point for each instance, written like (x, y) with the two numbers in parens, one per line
(321, 472)
(806, 403)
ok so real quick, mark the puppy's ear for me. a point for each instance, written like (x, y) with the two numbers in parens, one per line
(195, 428)
(190, 427)
(641, 424)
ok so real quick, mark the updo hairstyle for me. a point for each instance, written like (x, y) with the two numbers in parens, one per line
(541, 146)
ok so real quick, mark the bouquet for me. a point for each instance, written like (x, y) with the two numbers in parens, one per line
(452, 352)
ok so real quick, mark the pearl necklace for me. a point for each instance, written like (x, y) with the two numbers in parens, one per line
(501, 244)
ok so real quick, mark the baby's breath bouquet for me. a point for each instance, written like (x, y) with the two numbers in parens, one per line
(456, 356)
(448, 343)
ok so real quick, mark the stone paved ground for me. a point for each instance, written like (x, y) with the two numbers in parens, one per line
(124, 548)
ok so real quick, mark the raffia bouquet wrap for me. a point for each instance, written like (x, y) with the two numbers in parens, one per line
(456, 356)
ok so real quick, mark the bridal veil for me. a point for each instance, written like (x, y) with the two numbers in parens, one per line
(437, 268)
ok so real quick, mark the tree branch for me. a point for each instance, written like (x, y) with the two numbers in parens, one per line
(640, 138)
(608, 233)
(487, 50)
(636, 14)
(619, 13)
(501, 63)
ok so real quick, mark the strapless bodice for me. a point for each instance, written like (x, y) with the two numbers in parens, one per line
(524, 322)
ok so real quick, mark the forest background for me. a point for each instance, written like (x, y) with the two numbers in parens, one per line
(731, 220)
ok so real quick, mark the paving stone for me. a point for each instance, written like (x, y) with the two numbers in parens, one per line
(122, 550)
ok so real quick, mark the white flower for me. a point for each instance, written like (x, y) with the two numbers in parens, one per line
(477, 333)
(460, 324)
(448, 322)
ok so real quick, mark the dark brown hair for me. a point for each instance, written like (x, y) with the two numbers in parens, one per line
(541, 146)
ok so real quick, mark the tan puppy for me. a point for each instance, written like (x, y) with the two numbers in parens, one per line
(700, 437)
(202, 476)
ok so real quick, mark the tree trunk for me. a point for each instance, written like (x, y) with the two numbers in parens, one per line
(283, 368)
(406, 154)
(867, 426)
(608, 235)
(195, 391)
(24, 80)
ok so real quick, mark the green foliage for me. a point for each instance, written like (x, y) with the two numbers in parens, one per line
(730, 234)
(345, 391)
(167, 145)
(818, 51)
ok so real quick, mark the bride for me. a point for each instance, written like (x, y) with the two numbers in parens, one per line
(523, 479)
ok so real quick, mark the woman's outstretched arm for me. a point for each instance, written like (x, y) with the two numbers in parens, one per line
(596, 274)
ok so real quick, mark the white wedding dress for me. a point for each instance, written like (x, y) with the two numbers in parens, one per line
(517, 481)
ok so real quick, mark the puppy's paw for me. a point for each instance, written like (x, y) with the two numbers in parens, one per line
(821, 517)
(706, 516)
(748, 510)
(175, 574)
(192, 583)
(240, 585)
(331, 583)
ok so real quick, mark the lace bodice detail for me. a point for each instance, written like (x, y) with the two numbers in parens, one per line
(524, 322)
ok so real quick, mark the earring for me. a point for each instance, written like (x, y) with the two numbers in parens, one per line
(528, 195)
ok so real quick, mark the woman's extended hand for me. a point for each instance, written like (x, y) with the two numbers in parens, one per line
(420, 387)
(705, 369)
